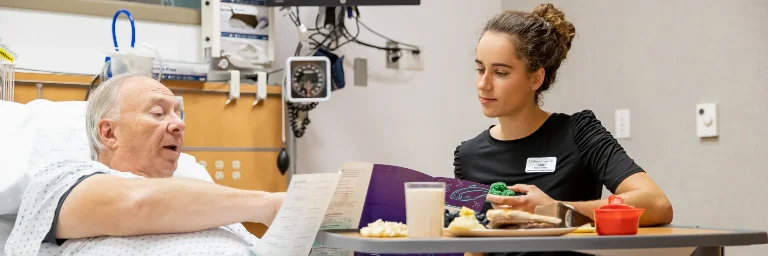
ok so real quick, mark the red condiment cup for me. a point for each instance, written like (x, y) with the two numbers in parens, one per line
(617, 218)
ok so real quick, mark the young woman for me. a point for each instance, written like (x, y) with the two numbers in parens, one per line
(550, 157)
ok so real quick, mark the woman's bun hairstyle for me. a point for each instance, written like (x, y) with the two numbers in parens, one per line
(542, 39)
(555, 17)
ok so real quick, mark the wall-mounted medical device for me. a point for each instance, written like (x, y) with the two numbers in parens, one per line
(238, 41)
(308, 78)
(340, 2)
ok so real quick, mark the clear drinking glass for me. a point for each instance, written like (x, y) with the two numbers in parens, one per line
(424, 208)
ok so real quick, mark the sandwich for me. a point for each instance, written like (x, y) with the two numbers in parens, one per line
(515, 219)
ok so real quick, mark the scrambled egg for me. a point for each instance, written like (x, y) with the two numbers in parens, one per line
(465, 221)
(381, 228)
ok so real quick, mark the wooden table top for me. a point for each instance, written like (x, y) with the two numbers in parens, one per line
(655, 231)
(649, 237)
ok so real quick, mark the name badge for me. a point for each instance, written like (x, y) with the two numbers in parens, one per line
(541, 164)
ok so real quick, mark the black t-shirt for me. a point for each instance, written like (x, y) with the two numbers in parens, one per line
(585, 157)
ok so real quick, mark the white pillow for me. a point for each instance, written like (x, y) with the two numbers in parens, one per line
(189, 168)
(43, 131)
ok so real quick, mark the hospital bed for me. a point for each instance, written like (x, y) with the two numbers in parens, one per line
(47, 121)
(42, 131)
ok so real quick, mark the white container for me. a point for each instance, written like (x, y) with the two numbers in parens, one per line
(424, 208)
(133, 60)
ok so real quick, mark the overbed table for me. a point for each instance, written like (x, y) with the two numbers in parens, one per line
(666, 240)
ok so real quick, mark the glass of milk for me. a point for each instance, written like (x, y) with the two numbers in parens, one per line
(424, 204)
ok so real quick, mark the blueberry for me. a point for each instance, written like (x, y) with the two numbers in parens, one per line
(480, 217)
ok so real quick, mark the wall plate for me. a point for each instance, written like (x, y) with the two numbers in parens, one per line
(707, 120)
(393, 57)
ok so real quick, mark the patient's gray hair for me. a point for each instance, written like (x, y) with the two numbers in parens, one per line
(103, 103)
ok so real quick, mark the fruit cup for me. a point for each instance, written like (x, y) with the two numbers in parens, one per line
(617, 218)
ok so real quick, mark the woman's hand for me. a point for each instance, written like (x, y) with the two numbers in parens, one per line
(533, 197)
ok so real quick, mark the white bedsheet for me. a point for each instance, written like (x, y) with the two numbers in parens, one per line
(6, 225)
(41, 199)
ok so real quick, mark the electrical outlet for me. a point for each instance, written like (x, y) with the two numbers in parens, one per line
(622, 124)
(412, 61)
(393, 57)
(219, 164)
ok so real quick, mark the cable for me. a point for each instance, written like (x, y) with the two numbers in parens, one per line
(88, 91)
(96, 77)
(382, 36)
(331, 40)
(396, 49)
(298, 16)
(295, 108)
(282, 124)
(133, 27)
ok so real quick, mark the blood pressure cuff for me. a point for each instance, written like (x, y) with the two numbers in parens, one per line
(337, 68)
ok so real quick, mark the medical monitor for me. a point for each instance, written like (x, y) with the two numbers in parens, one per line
(340, 2)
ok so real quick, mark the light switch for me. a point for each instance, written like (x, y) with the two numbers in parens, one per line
(706, 120)
(622, 124)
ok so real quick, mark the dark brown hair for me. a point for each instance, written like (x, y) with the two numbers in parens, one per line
(542, 37)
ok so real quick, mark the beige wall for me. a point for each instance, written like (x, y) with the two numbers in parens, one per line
(413, 119)
(659, 59)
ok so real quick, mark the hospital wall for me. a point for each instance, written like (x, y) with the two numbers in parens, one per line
(659, 59)
(413, 119)
(410, 118)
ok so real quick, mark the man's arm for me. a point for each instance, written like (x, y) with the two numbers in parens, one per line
(110, 205)
(640, 191)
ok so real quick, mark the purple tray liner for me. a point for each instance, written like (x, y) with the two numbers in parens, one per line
(386, 197)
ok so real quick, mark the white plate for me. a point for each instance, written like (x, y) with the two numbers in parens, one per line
(511, 232)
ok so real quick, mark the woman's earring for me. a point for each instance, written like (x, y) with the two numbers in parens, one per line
(540, 100)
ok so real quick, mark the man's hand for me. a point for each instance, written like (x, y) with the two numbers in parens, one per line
(275, 202)
(533, 197)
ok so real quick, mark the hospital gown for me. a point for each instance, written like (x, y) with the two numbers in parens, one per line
(38, 209)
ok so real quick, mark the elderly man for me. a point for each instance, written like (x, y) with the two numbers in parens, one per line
(125, 201)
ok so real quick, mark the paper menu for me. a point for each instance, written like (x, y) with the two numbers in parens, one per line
(348, 200)
(295, 227)
(361, 194)
(346, 207)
